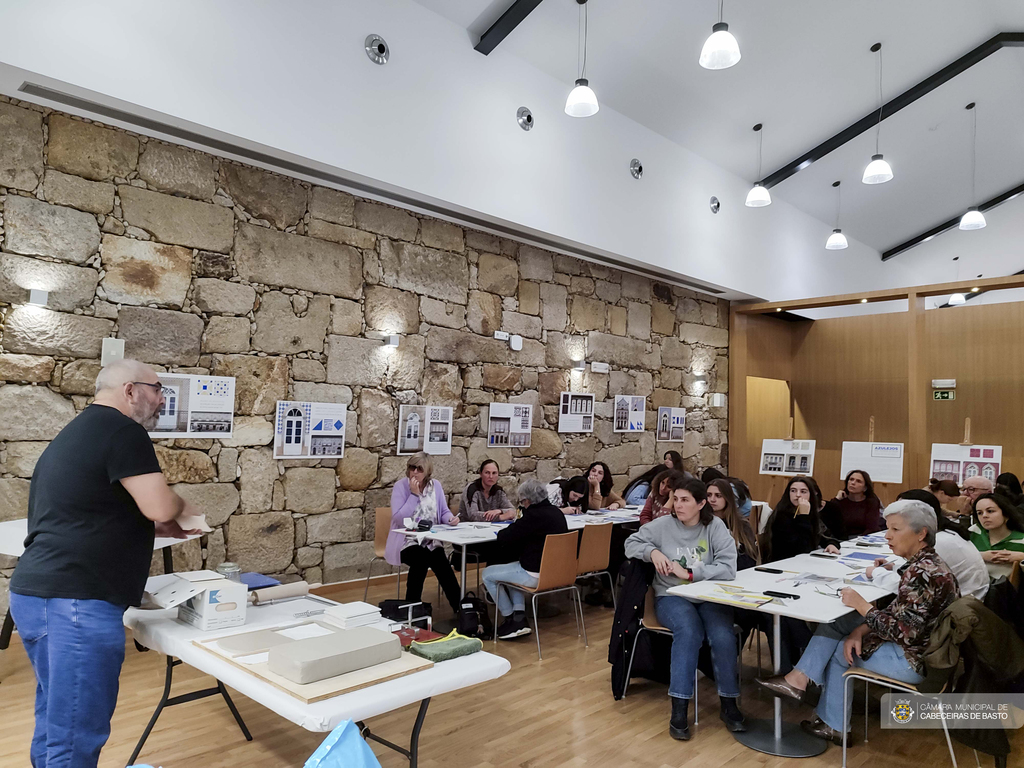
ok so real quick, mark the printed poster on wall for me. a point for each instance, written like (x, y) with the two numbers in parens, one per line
(671, 425)
(195, 406)
(787, 457)
(576, 412)
(425, 428)
(883, 461)
(509, 425)
(303, 430)
(630, 413)
(959, 462)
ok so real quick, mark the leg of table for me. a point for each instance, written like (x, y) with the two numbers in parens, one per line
(159, 708)
(462, 580)
(5, 632)
(231, 706)
(168, 560)
(412, 753)
(777, 663)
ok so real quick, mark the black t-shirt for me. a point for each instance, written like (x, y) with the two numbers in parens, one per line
(87, 539)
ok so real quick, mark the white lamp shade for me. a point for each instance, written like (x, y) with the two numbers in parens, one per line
(973, 219)
(836, 241)
(582, 101)
(758, 197)
(720, 50)
(878, 171)
(957, 299)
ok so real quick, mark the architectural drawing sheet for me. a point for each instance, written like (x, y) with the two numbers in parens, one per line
(195, 406)
(576, 412)
(304, 430)
(959, 462)
(630, 413)
(883, 461)
(787, 457)
(509, 425)
(425, 428)
(671, 425)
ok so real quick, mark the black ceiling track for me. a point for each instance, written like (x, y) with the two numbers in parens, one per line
(951, 223)
(501, 29)
(908, 97)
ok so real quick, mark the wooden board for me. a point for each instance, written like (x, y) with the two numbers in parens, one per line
(310, 693)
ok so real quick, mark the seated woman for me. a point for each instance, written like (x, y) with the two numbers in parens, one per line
(948, 494)
(522, 544)
(998, 533)
(571, 495)
(691, 545)
(890, 641)
(673, 460)
(952, 544)
(419, 497)
(639, 488)
(483, 500)
(856, 510)
(660, 501)
(1009, 485)
(723, 504)
(601, 494)
(739, 489)
(794, 526)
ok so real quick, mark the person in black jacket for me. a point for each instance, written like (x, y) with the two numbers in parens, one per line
(523, 544)
(795, 527)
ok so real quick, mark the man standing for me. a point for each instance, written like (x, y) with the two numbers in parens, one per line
(973, 487)
(96, 492)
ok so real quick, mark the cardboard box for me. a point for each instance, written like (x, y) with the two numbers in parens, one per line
(204, 599)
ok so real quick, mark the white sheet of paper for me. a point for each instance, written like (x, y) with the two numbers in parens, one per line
(883, 461)
(304, 631)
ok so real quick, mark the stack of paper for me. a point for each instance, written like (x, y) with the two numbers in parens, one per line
(352, 615)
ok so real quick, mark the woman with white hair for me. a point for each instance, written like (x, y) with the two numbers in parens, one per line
(522, 543)
(890, 641)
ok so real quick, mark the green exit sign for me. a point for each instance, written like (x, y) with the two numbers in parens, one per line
(944, 394)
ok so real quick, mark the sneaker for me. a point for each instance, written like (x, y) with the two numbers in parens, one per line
(512, 628)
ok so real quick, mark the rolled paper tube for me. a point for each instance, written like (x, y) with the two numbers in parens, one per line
(296, 589)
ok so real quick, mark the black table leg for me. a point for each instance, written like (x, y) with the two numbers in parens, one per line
(5, 632)
(414, 741)
(168, 560)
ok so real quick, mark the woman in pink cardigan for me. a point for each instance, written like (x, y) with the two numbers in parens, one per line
(419, 497)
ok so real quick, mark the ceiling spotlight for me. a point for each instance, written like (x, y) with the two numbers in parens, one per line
(975, 290)
(582, 101)
(863, 301)
(525, 118)
(878, 171)
(758, 196)
(720, 50)
(973, 219)
(957, 299)
(377, 49)
(837, 240)
(636, 169)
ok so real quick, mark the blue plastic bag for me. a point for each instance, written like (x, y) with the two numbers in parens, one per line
(343, 748)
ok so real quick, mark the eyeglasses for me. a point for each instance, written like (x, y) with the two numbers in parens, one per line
(829, 591)
(158, 387)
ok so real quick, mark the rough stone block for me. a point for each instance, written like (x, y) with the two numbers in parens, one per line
(262, 542)
(309, 490)
(497, 274)
(675, 354)
(386, 221)
(466, 348)
(174, 169)
(347, 561)
(638, 322)
(636, 287)
(69, 287)
(307, 557)
(308, 370)
(332, 527)
(665, 398)
(438, 313)
(688, 311)
(142, 272)
(37, 331)
(663, 319)
(346, 317)
(210, 264)
(588, 314)
(91, 196)
(227, 465)
(226, 335)
(535, 264)
(442, 385)
(79, 377)
(690, 333)
(28, 368)
(484, 315)
(332, 205)
(22, 458)
(13, 498)
(551, 386)
(544, 444)
(502, 377)
(441, 234)
(355, 361)
(21, 147)
(529, 298)
(178, 220)
(524, 325)
(405, 364)
(377, 418)
(626, 353)
(427, 271)
(89, 150)
(259, 381)
(280, 259)
(357, 471)
(185, 466)
(216, 500)
(249, 430)
(36, 228)
(582, 285)
(709, 313)
(258, 471)
(617, 320)
(391, 311)
(268, 196)
(337, 233)
(562, 350)
(280, 332)
(481, 241)
(309, 392)
(222, 297)
(32, 413)
(159, 335)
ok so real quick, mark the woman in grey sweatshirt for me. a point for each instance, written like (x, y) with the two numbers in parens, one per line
(689, 545)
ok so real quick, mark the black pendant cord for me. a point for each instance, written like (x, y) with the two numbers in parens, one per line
(974, 152)
(760, 139)
(721, 15)
(878, 128)
(584, 28)
(839, 202)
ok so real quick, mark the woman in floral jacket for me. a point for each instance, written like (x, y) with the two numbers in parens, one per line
(890, 641)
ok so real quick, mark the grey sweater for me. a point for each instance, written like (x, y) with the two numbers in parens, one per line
(709, 551)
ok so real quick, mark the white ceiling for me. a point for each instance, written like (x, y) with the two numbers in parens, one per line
(806, 73)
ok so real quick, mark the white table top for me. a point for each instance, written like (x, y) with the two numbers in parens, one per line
(160, 631)
(478, 533)
(13, 533)
(811, 606)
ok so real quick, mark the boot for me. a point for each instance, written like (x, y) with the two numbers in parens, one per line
(731, 715)
(679, 724)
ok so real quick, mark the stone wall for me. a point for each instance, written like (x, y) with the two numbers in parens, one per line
(206, 266)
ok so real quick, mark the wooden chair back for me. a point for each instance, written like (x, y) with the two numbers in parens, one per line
(381, 529)
(650, 616)
(595, 548)
(558, 563)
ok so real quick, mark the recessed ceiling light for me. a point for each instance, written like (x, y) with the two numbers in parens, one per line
(863, 301)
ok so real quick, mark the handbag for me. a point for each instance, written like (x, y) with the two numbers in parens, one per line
(474, 621)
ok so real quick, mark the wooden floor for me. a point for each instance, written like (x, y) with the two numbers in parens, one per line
(556, 712)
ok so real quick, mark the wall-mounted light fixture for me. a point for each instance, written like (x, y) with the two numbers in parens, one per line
(387, 339)
(580, 365)
(717, 400)
(38, 297)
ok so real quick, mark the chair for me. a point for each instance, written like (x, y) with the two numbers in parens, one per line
(594, 554)
(857, 673)
(381, 531)
(557, 574)
(1015, 576)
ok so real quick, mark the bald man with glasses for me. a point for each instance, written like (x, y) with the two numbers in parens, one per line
(973, 488)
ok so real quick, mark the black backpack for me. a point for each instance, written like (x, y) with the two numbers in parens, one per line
(474, 621)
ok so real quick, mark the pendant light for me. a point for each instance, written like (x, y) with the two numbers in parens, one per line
(878, 170)
(957, 298)
(758, 196)
(837, 240)
(973, 219)
(720, 50)
(582, 101)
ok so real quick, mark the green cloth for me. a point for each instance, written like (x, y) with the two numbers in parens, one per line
(450, 647)
(1014, 542)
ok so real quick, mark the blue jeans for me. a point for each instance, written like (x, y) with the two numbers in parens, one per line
(690, 624)
(824, 663)
(507, 600)
(76, 648)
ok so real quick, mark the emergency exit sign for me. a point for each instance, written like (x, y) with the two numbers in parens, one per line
(944, 394)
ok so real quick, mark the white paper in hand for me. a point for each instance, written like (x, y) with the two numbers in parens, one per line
(189, 522)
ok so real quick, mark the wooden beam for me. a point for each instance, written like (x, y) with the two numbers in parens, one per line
(918, 447)
(892, 294)
(738, 363)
